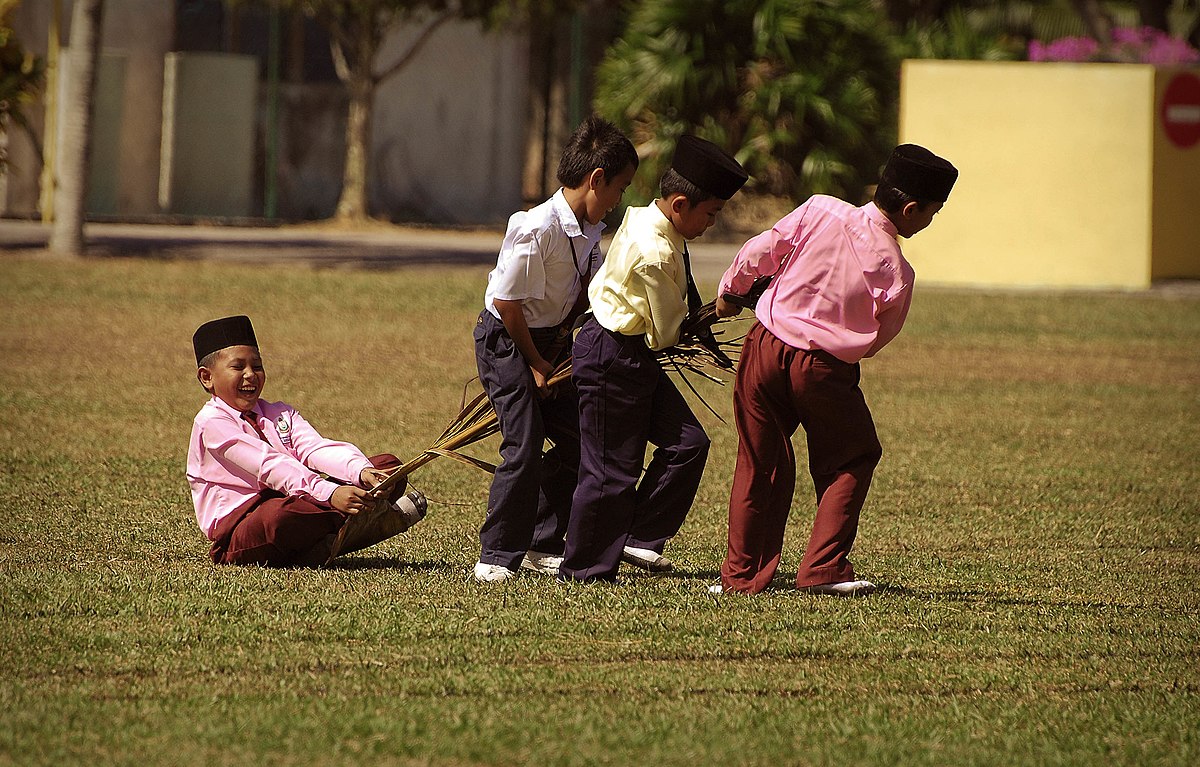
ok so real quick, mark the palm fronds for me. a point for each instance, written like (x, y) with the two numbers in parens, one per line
(697, 351)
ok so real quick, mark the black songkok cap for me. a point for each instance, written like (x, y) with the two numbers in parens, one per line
(708, 167)
(919, 173)
(220, 334)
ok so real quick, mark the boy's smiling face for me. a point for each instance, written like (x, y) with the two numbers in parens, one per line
(237, 377)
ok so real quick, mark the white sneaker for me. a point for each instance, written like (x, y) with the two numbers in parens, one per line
(546, 564)
(647, 559)
(843, 589)
(492, 573)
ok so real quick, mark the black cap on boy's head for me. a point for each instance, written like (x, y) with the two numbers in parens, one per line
(919, 173)
(708, 166)
(215, 335)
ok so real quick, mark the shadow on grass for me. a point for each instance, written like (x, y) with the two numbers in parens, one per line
(390, 563)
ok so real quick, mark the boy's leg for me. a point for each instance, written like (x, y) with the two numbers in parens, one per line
(843, 450)
(277, 531)
(764, 476)
(667, 489)
(614, 380)
(513, 499)
(560, 470)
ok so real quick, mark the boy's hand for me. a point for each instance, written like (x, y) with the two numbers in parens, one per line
(350, 500)
(727, 308)
(369, 477)
(542, 372)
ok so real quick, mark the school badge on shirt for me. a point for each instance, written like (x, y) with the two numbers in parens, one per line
(283, 425)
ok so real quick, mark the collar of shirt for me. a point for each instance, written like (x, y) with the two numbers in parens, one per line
(570, 224)
(880, 219)
(653, 217)
(236, 414)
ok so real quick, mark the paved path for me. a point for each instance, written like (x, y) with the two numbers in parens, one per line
(373, 247)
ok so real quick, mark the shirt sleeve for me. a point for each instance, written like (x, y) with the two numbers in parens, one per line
(523, 273)
(762, 254)
(251, 457)
(335, 459)
(667, 308)
(891, 320)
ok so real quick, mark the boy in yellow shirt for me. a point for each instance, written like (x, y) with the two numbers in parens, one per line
(639, 299)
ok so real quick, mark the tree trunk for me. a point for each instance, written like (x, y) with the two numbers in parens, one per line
(66, 237)
(352, 205)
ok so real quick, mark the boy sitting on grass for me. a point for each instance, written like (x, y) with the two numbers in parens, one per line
(253, 466)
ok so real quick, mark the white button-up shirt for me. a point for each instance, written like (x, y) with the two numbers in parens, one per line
(538, 266)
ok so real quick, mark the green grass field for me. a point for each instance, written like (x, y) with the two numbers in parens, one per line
(1033, 525)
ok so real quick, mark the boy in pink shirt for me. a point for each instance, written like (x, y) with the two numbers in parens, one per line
(837, 290)
(257, 469)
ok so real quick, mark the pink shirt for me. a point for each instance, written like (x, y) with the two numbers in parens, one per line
(228, 463)
(844, 287)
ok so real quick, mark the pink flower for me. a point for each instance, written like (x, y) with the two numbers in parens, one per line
(1129, 44)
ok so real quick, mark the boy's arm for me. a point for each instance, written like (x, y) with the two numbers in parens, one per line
(514, 322)
(891, 320)
(761, 255)
(330, 457)
(260, 464)
(665, 307)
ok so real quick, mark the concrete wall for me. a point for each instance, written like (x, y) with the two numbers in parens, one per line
(207, 163)
(137, 33)
(448, 135)
(449, 128)
(1063, 181)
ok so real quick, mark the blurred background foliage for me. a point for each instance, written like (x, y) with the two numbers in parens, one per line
(805, 93)
(22, 76)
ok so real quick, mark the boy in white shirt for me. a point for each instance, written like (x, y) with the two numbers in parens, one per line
(534, 295)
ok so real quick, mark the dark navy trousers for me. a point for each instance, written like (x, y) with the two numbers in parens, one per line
(530, 498)
(626, 400)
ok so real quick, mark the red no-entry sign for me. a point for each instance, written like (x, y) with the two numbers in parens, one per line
(1180, 111)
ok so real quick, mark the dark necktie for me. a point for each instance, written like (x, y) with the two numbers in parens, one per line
(250, 419)
(693, 295)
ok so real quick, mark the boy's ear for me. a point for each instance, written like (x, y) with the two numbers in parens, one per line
(910, 209)
(595, 179)
(204, 376)
(679, 204)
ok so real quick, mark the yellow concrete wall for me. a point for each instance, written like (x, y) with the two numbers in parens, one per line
(1057, 171)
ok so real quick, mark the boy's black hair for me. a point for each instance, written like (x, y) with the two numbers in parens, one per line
(673, 183)
(210, 359)
(596, 143)
(892, 200)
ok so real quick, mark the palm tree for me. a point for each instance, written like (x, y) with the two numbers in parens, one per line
(803, 93)
(66, 237)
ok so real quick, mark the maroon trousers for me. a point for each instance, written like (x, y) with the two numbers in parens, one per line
(275, 530)
(780, 388)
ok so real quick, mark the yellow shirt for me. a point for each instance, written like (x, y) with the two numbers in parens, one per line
(642, 285)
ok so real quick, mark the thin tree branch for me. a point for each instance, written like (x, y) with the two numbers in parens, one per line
(441, 18)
